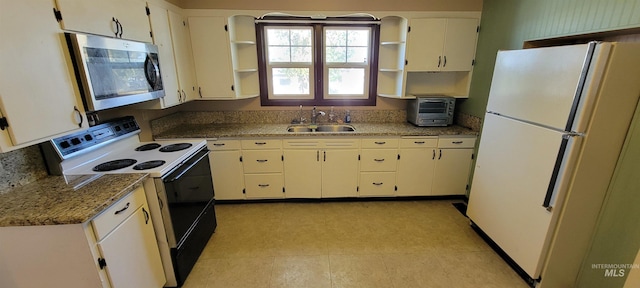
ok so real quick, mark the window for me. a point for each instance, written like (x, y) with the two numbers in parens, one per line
(323, 63)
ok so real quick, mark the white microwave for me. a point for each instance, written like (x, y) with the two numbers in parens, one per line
(431, 110)
(114, 72)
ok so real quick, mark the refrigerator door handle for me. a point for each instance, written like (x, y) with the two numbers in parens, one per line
(550, 197)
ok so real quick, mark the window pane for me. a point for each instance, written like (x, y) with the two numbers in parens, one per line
(289, 45)
(357, 54)
(358, 38)
(301, 54)
(336, 37)
(279, 54)
(336, 54)
(290, 81)
(346, 81)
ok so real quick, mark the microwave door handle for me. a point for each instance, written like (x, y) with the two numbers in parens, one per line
(151, 79)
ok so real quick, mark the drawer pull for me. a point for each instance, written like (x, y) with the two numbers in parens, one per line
(380, 142)
(434, 155)
(418, 142)
(456, 142)
(122, 210)
(262, 160)
(218, 144)
(378, 160)
(146, 216)
(260, 143)
(377, 183)
(263, 185)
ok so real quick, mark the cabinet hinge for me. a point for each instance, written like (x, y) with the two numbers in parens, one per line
(282, 189)
(467, 187)
(282, 157)
(473, 62)
(244, 191)
(408, 29)
(3, 123)
(102, 263)
(473, 156)
(357, 188)
(147, 10)
(232, 89)
(240, 158)
(151, 34)
(57, 14)
(358, 157)
(395, 188)
(477, 28)
(226, 28)
(398, 156)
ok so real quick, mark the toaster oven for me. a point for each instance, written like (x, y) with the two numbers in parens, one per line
(431, 110)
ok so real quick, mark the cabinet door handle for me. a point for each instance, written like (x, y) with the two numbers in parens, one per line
(317, 155)
(445, 61)
(418, 142)
(456, 142)
(434, 155)
(440, 154)
(263, 185)
(75, 108)
(325, 156)
(122, 210)
(439, 61)
(200, 91)
(380, 142)
(146, 216)
(262, 160)
(115, 21)
(378, 160)
(377, 183)
(160, 203)
(260, 143)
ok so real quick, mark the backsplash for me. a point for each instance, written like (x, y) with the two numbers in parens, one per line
(270, 117)
(21, 167)
(469, 121)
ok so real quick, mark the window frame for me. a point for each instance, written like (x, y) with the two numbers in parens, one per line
(318, 51)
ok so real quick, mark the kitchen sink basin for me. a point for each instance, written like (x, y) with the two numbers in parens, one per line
(321, 128)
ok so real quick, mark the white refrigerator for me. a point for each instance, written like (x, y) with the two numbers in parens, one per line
(555, 123)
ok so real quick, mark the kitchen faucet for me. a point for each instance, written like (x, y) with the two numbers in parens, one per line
(314, 115)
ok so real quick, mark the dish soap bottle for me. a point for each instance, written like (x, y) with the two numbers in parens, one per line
(347, 117)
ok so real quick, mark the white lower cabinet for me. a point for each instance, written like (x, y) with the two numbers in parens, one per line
(226, 169)
(416, 165)
(116, 249)
(453, 165)
(262, 166)
(321, 168)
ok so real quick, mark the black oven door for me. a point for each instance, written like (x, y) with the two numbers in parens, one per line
(189, 189)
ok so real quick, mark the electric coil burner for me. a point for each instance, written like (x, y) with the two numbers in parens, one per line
(175, 147)
(114, 165)
(147, 147)
(149, 165)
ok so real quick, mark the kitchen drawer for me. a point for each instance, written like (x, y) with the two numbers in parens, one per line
(456, 142)
(264, 185)
(344, 143)
(418, 142)
(111, 217)
(378, 159)
(262, 144)
(218, 145)
(377, 184)
(380, 143)
(262, 161)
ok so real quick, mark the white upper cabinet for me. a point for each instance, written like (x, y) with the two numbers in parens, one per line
(125, 19)
(183, 56)
(39, 98)
(244, 56)
(442, 44)
(210, 45)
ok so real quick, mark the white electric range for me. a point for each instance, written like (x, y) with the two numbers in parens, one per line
(179, 193)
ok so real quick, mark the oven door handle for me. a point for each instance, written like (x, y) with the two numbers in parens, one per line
(182, 170)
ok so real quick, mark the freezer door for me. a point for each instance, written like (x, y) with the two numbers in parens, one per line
(539, 85)
(515, 166)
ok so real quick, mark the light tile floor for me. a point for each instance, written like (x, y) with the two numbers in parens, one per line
(348, 244)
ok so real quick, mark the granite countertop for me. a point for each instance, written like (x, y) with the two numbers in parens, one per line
(280, 130)
(51, 201)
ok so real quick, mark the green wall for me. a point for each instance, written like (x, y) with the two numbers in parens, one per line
(506, 24)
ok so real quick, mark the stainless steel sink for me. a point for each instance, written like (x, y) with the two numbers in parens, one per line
(321, 128)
